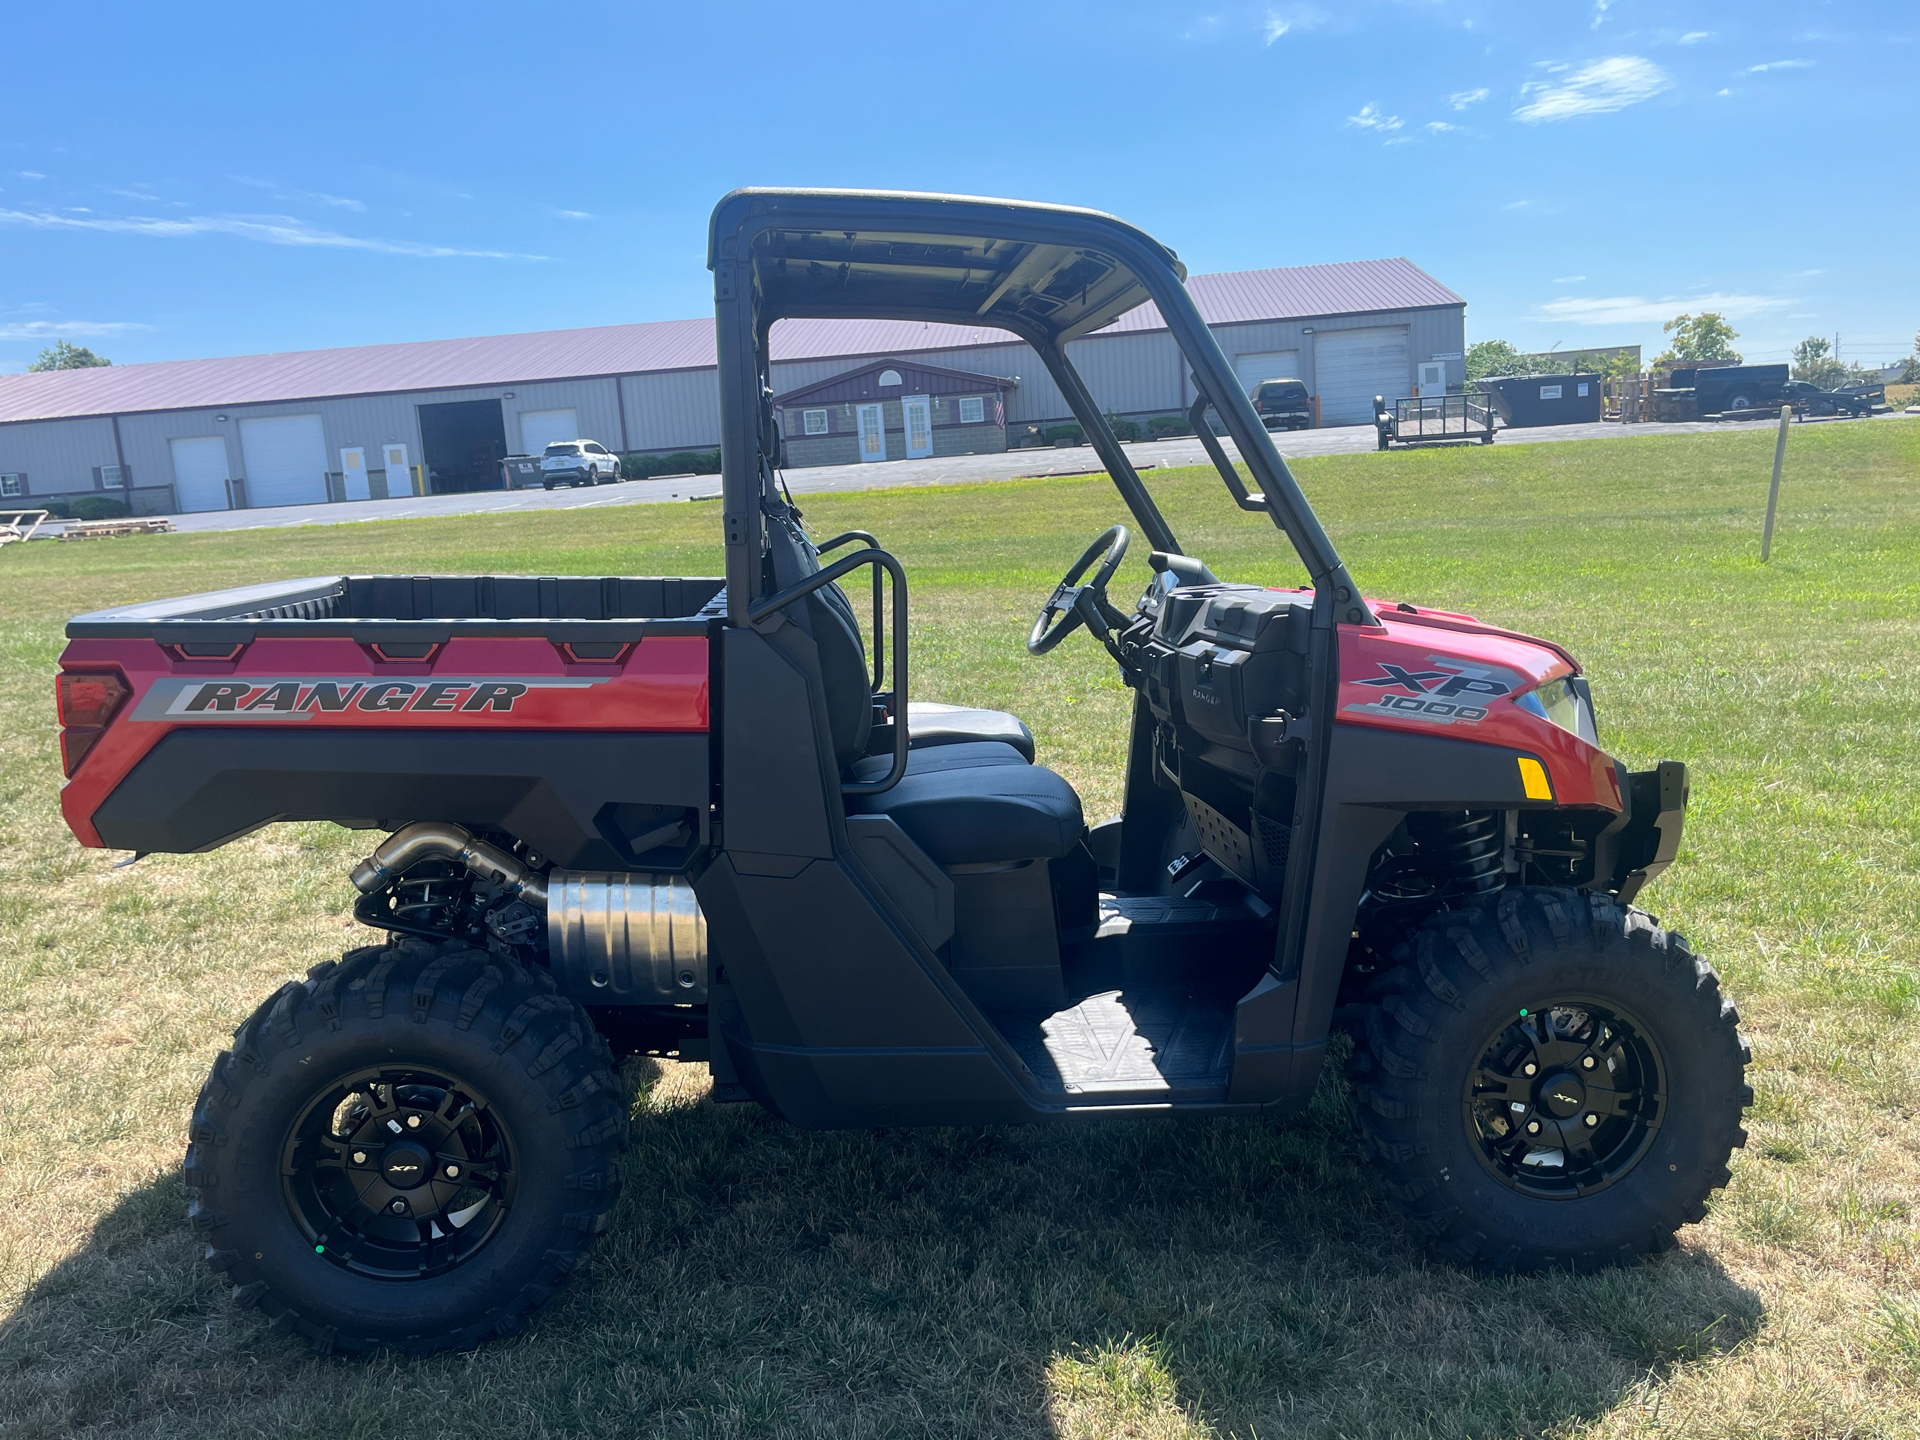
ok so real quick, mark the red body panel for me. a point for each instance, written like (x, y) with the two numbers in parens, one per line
(660, 683)
(1436, 673)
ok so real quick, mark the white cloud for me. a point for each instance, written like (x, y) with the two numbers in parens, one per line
(1568, 279)
(1721, 94)
(312, 197)
(29, 174)
(1516, 205)
(1440, 126)
(1779, 65)
(576, 215)
(1288, 18)
(1370, 118)
(1600, 11)
(1694, 37)
(1639, 310)
(48, 330)
(1461, 99)
(1596, 89)
(267, 229)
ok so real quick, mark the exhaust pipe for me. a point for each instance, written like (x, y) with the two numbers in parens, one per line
(434, 839)
(613, 937)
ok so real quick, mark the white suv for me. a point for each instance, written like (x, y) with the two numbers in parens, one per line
(578, 462)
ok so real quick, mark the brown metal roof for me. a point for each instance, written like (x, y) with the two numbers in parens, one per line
(1295, 292)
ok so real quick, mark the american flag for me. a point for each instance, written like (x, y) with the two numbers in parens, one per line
(999, 411)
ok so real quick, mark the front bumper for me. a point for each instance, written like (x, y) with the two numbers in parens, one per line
(1650, 839)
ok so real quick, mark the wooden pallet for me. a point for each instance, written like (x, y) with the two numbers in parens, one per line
(107, 529)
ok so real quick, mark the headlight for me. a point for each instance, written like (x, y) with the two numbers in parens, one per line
(1563, 702)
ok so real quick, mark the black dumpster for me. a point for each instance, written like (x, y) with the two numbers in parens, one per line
(1528, 400)
(521, 471)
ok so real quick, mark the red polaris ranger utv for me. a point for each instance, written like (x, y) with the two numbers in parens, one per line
(704, 818)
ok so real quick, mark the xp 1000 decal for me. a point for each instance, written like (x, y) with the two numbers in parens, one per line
(1443, 690)
(255, 699)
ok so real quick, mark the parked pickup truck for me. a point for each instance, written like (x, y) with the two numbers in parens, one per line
(1729, 389)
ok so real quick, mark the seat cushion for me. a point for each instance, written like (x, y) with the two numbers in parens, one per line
(975, 803)
(929, 724)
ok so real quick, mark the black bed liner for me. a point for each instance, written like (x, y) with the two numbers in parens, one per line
(422, 608)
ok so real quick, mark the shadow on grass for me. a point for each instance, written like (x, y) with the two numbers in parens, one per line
(1146, 1277)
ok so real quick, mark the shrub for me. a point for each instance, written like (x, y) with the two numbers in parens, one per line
(1123, 429)
(679, 462)
(1054, 434)
(1160, 426)
(98, 507)
(56, 509)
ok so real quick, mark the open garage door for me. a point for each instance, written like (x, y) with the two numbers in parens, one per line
(1352, 366)
(200, 472)
(1266, 365)
(286, 458)
(541, 428)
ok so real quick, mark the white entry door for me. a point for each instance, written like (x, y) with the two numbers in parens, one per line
(399, 481)
(353, 473)
(916, 413)
(200, 473)
(541, 428)
(1350, 367)
(1433, 379)
(873, 432)
(286, 459)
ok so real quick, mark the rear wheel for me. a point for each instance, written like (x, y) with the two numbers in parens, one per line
(1546, 1079)
(410, 1149)
(1740, 400)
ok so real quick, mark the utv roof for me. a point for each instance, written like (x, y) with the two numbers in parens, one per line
(1051, 272)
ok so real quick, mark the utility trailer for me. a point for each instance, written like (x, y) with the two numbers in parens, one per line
(1433, 420)
(705, 818)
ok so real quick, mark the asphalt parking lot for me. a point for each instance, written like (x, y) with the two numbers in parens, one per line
(950, 470)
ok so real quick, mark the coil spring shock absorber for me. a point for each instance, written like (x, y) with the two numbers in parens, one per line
(1467, 847)
(428, 893)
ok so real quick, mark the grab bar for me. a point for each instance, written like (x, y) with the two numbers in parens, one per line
(820, 579)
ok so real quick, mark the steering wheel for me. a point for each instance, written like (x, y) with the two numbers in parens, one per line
(1069, 605)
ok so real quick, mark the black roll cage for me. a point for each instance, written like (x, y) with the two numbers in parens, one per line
(1048, 274)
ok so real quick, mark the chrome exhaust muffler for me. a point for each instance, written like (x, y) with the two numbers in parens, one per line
(620, 938)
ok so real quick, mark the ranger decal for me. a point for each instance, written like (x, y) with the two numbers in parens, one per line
(303, 698)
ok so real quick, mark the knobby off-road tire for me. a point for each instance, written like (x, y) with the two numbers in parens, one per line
(446, 1057)
(1476, 995)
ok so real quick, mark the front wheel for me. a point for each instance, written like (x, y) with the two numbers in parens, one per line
(411, 1149)
(1548, 1080)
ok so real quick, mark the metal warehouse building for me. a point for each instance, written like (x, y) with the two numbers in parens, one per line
(379, 420)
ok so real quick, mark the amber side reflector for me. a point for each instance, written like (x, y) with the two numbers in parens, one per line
(87, 701)
(1533, 779)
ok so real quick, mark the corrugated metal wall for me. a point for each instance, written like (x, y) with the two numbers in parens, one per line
(58, 456)
(1131, 374)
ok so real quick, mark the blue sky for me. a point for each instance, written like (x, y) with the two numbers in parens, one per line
(204, 179)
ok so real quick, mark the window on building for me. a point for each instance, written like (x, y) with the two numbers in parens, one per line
(112, 477)
(973, 409)
(891, 377)
(11, 485)
(816, 421)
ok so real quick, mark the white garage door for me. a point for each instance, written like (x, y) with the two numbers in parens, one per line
(286, 459)
(1266, 365)
(1352, 366)
(200, 472)
(540, 428)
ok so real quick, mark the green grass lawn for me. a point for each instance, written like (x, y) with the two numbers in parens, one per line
(1147, 1278)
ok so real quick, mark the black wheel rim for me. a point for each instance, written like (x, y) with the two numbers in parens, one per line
(398, 1172)
(1565, 1098)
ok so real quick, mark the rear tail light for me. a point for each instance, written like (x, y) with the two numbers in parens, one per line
(87, 701)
